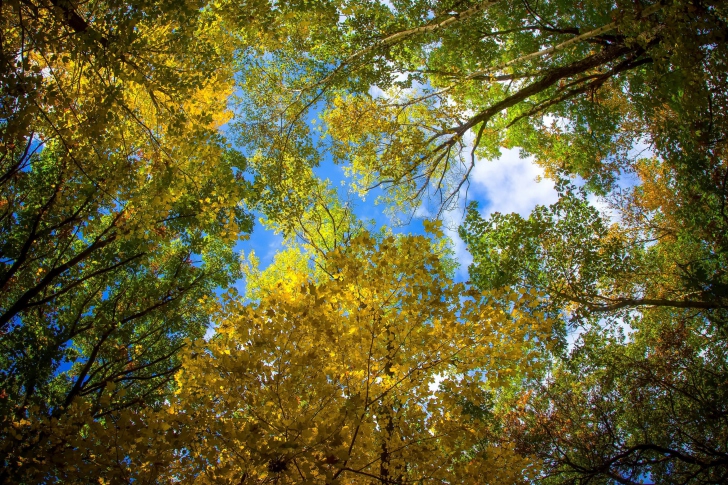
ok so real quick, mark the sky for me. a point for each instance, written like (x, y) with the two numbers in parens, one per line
(510, 183)
(507, 184)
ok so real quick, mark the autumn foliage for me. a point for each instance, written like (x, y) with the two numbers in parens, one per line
(139, 141)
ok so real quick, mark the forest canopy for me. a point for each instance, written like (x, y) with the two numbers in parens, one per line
(140, 141)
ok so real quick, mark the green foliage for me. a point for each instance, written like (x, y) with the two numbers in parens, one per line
(576, 88)
(622, 409)
(565, 250)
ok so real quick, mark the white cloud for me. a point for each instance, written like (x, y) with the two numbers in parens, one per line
(376, 92)
(210, 332)
(505, 185)
(422, 212)
(509, 184)
(388, 4)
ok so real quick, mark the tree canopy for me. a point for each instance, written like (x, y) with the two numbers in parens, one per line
(139, 141)
(119, 206)
(458, 81)
(387, 371)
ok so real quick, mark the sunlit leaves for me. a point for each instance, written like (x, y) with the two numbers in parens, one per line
(120, 206)
(362, 374)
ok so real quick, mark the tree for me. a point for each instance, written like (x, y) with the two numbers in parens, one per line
(119, 206)
(591, 270)
(637, 395)
(628, 408)
(120, 202)
(565, 250)
(385, 371)
(647, 408)
(463, 79)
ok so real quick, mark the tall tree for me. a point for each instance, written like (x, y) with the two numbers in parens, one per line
(383, 372)
(119, 206)
(649, 408)
(620, 408)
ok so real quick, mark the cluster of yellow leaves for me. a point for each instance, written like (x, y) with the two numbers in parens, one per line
(124, 110)
(81, 449)
(284, 271)
(388, 141)
(370, 373)
(655, 192)
(141, 123)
